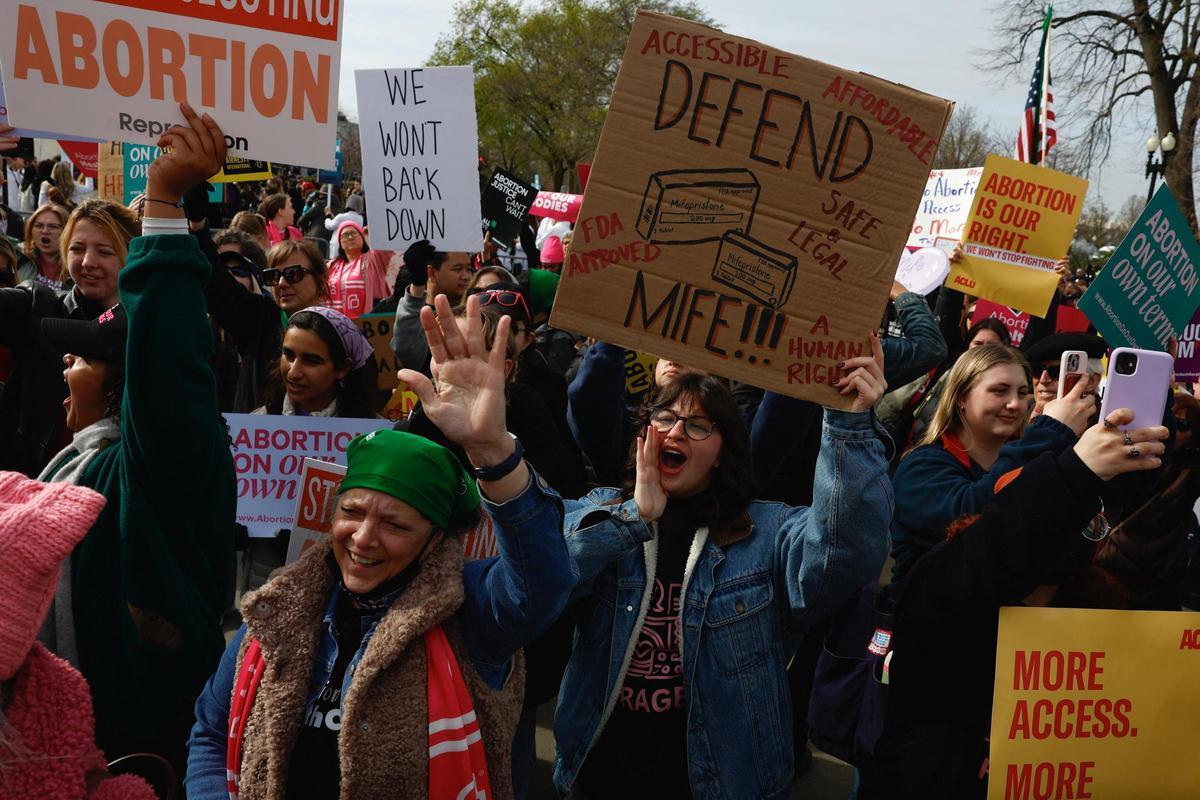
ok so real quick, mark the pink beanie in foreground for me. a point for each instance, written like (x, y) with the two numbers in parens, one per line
(552, 251)
(40, 524)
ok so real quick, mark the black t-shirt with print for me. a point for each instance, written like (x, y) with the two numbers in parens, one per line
(642, 751)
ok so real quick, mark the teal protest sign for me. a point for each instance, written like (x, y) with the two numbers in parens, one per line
(138, 158)
(1147, 291)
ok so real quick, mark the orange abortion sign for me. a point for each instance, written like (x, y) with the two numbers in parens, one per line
(116, 70)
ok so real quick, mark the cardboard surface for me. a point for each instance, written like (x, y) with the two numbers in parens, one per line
(111, 183)
(268, 75)
(944, 206)
(1147, 290)
(1022, 220)
(268, 457)
(746, 207)
(420, 156)
(1099, 704)
(504, 203)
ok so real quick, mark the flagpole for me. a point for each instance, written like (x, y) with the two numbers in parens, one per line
(1045, 86)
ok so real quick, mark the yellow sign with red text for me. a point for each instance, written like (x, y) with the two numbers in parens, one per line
(1095, 704)
(1022, 220)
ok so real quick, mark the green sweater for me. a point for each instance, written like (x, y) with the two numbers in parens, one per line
(153, 576)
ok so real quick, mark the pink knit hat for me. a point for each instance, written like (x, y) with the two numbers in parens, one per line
(552, 251)
(40, 524)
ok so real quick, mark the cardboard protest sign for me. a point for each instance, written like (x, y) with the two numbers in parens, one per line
(1187, 363)
(1147, 289)
(241, 169)
(313, 519)
(111, 183)
(117, 70)
(944, 206)
(1095, 704)
(557, 205)
(1017, 322)
(420, 156)
(268, 455)
(378, 330)
(746, 208)
(504, 203)
(1022, 220)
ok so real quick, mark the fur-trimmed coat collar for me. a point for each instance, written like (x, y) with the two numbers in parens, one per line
(384, 745)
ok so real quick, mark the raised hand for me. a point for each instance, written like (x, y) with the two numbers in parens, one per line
(863, 376)
(1109, 452)
(466, 398)
(1073, 409)
(191, 153)
(648, 492)
(8, 142)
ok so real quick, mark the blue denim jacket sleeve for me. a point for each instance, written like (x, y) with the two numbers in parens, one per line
(600, 530)
(514, 597)
(596, 409)
(921, 348)
(209, 742)
(838, 544)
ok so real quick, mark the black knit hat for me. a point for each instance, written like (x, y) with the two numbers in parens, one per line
(102, 338)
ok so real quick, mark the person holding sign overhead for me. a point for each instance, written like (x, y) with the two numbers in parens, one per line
(692, 596)
(139, 609)
(379, 664)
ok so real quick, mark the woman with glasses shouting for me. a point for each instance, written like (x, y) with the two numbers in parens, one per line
(43, 230)
(692, 596)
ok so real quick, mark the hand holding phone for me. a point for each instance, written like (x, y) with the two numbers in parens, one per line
(1072, 368)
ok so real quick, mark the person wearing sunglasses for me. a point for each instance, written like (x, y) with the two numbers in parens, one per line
(296, 275)
(1045, 355)
(693, 595)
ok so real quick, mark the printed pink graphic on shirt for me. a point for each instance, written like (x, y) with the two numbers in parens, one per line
(654, 681)
(348, 289)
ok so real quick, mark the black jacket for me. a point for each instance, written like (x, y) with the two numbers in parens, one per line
(31, 411)
(946, 623)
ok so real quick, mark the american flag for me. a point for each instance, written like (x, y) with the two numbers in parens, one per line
(1038, 132)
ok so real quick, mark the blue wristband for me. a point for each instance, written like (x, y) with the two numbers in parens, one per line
(498, 471)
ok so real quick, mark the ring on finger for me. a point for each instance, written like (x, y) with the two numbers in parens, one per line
(1128, 441)
(1133, 452)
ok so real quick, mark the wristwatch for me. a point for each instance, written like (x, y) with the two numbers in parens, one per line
(498, 471)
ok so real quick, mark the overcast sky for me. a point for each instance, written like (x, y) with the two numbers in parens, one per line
(932, 45)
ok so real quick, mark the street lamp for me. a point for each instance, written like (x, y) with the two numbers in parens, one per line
(1155, 168)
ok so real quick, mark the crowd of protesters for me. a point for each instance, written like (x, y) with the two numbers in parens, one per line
(666, 567)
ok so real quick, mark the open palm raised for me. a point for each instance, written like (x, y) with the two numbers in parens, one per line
(465, 400)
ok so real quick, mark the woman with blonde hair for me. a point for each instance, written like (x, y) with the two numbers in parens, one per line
(977, 434)
(61, 187)
(43, 228)
(253, 224)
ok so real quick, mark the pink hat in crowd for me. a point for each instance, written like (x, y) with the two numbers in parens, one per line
(40, 524)
(349, 223)
(552, 251)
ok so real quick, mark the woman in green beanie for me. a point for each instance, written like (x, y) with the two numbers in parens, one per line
(379, 664)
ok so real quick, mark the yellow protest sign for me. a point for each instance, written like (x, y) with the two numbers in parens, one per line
(242, 169)
(1095, 704)
(639, 373)
(1022, 220)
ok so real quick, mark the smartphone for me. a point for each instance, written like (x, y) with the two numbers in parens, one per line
(1138, 380)
(1072, 368)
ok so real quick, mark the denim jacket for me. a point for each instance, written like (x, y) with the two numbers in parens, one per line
(747, 600)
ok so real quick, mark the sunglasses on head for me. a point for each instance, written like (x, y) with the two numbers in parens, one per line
(293, 274)
(504, 298)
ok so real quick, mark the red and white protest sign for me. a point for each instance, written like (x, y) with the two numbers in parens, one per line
(85, 155)
(557, 205)
(319, 482)
(269, 454)
(117, 70)
(1017, 322)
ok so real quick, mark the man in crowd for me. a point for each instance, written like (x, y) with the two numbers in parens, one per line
(430, 273)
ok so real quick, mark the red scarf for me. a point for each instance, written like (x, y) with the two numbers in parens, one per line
(457, 762)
